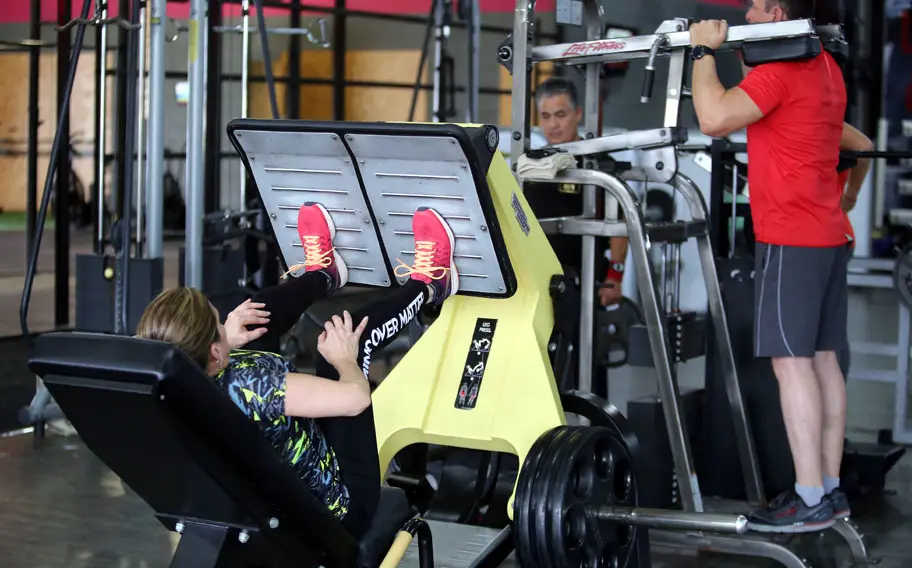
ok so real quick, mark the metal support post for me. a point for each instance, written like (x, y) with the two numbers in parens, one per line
(744, 436)
(31, 198)
(121, 87)
(64, 157)
(131, 104)
(593, 128)
(522, 78)
(140, 129)
(439, 39)
(101, 129)
(340, 45)
(213, 133)
(473, 39)
(293, 89)
(245, 77)
(155, 195)
(193, 257)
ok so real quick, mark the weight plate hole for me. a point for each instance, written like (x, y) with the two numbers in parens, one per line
(604, 460)
(609, 557)
(583, 474)
(575, 527)
(623, 480)
(624, 534)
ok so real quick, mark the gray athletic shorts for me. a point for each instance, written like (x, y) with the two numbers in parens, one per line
(800, 300)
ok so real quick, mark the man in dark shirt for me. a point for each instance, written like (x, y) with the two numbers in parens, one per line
(559, 117)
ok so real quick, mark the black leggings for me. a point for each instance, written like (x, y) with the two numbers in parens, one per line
(353, 439)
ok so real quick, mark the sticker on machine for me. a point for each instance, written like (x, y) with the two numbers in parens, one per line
(520, 214)
(476, 360)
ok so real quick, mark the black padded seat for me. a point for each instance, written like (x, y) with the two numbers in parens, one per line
(174, 438)
(392, 512)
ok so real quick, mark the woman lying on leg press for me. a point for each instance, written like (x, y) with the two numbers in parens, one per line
(336, 456)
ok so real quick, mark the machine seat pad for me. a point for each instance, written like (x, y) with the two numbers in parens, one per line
(392, 512)
(214, 465)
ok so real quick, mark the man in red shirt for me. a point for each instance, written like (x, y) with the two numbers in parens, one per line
(794, 114)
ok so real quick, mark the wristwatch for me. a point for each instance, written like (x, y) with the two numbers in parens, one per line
(700, 51)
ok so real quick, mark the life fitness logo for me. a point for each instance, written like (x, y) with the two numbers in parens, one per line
(594, 47)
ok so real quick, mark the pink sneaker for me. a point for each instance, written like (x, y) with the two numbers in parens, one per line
(434, 244)
(317, 231)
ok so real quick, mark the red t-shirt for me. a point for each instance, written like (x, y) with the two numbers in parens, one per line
(793, 152)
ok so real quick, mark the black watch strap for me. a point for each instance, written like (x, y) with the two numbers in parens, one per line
(701, 51)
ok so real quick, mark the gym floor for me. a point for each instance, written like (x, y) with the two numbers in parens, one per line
(61, 507)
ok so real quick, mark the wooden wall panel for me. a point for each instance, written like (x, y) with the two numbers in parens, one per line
(14, 121)
(361, 103)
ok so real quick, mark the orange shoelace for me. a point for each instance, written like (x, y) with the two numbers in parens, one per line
(424, 258)
(312, 255)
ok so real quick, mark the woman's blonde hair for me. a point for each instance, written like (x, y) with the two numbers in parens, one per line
(182, 317)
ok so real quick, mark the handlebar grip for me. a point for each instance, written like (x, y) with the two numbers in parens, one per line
(648, 81)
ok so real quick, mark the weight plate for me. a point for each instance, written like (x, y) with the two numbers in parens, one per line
(541, 490)
(600, 412)
(594, 469)
(613, 332)
(902, 276)
(523, 502)
(568, 474)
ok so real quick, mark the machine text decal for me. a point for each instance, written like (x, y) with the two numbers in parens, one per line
(594, 47)
(520, 214)
(475, 363)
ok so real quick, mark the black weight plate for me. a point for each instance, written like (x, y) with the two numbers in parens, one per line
(523, 502)
(541, 489)
(558, 505)
(578, 486)
(600, 412)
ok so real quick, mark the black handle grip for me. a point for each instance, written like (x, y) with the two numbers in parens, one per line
(648, 81)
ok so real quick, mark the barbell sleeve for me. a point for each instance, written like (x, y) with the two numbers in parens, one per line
(674, 520)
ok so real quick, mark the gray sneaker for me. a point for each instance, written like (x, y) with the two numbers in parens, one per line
(840, 504)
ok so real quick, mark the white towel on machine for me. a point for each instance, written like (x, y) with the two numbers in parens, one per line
(544, 167)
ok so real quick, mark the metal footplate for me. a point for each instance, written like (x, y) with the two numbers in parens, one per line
(401, 174)
(462, 546)
(292, 168)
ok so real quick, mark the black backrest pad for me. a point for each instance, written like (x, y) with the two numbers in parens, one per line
(167, 430)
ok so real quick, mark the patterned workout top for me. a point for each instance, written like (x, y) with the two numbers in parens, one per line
(255, 382)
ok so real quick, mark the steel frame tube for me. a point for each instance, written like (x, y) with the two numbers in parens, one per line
(102, 130)
(688, 485)
(64, 171)
(140, 182)
(31, 199)
(747, 451)
(673, 520)
(473, 40)
(592, 126)
(196, 57)
(245, 92)
(156, 144)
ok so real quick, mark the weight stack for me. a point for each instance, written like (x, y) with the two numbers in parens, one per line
(721, 474)
(95, 292)
(223, 269)
(657, 483)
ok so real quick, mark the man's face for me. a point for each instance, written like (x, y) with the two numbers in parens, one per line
(764, 11)
(558, 119)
